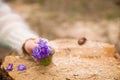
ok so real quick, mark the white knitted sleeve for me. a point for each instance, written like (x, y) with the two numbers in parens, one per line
(13, 30)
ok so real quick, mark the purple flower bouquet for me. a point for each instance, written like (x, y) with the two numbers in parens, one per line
(43, 53)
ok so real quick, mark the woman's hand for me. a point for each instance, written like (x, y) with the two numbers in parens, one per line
(31, 43)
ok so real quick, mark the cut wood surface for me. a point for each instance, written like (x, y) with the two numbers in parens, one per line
(71, 61)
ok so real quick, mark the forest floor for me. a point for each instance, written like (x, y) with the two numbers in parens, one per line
(92, 23)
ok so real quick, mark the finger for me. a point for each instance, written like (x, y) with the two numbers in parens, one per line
(36, 41)
(29, 46)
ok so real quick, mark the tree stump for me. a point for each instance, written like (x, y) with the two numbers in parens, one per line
(71, 61)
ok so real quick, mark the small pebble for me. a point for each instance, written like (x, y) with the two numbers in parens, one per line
(67, 79)
(81, 40)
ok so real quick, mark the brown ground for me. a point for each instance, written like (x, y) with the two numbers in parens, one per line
(96, 19)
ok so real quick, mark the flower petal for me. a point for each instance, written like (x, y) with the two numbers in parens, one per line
(21, 67)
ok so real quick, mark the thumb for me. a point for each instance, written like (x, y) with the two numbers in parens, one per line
(29, 45)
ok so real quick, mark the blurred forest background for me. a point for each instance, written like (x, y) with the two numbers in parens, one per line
(94, 19)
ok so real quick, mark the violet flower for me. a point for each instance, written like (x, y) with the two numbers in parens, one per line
(21, 67)
(9, 67)
(41, 51)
